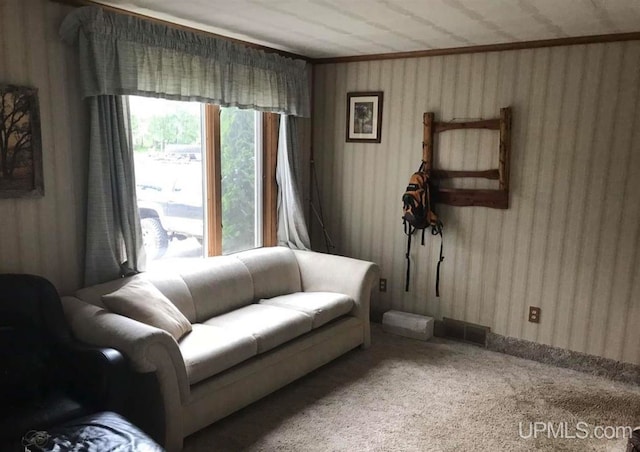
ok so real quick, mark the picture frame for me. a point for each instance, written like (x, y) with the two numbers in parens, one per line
(21, 173)
(364, 117)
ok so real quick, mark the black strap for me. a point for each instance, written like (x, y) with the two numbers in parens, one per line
(409, 231)
(437, 230)
(406, 281)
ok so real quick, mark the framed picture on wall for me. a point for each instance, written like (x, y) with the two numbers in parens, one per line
(20, 146)
(364, 117)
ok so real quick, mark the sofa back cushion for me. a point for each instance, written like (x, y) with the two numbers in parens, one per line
(175, 289)
(217, 285)
(170, 284)
(274, 271)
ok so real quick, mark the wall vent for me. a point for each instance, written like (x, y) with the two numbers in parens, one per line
(463, 331)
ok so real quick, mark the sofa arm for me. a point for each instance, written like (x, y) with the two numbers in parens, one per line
(329, 273)
(147, 348)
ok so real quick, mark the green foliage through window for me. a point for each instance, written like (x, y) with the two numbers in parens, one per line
(238, 161)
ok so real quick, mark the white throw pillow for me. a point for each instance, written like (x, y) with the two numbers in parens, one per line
(142, 301)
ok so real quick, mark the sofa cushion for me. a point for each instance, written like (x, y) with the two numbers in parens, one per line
(142, 301)
(208, 350)
(321, 306)
(169, 283)
(270, 325)
(175, 289)
(218, 285)
(274, 271)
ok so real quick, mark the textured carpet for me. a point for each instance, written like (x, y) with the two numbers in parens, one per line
(407, 395)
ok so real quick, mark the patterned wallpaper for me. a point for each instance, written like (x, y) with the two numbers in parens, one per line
(569, 243)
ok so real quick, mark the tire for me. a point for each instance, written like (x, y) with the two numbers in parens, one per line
(154, 237)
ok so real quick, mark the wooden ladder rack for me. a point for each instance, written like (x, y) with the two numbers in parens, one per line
(499, 198)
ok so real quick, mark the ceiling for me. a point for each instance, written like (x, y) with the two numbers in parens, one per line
(334, 28)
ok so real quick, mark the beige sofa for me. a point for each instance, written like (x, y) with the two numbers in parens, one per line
(260, 319)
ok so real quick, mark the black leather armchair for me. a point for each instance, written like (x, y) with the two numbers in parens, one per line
(46, 377)
(634, 442)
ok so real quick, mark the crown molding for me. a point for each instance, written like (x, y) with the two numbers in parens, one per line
(577, 40)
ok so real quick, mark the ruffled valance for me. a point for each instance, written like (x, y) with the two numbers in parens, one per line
(127, 55)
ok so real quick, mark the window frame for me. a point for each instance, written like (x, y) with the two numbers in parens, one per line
(213, 174)
(270, 135)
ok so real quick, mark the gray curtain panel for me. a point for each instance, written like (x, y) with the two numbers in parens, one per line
(292, 228)
(114, 238)
(125, 55)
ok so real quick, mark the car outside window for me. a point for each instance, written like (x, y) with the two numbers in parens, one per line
(169, 158)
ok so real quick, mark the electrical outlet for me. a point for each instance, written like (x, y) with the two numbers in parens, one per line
(534, 314)
(383, 285)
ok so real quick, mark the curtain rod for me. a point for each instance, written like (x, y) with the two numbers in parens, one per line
(79, 3)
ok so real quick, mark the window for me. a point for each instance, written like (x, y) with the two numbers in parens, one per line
(241, 170)
(168, 157)
(199, 178)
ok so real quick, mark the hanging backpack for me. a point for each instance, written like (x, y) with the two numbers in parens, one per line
(418, 213)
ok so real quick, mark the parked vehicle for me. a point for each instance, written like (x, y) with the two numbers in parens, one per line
(170, 205)
(184, 151)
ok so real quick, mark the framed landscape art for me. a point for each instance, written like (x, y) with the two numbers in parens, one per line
(364, 117)
(20, 145)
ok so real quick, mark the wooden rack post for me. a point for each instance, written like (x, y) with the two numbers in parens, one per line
(427, 144)
(498, 199)
(505, 147)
